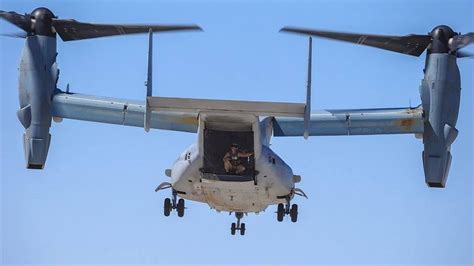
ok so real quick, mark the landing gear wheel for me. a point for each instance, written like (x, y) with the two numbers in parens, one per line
(280, 212)
(232, 229)
(180, 207)
(238, 225)
(242, 229)
(167, 207)
(294, 213)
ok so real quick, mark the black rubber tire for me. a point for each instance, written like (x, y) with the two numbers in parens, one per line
(280, 212)
(242, 229)
(180, 207)
(167, 207)
(294, 213)
(232, 229)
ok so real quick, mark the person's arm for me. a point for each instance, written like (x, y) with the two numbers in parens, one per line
(245, 154)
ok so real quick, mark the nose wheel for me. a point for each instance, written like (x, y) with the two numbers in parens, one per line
(238, 226)
(287, 209)
(173, 203)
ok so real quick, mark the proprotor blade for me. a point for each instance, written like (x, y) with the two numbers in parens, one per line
(409, 44)
(15, 35)
(460, 41)
(462, 54)
(71, 30)
(21, 21)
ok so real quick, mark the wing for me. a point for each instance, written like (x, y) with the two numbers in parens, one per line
(353, 122)
(184, 115)
(119, 112)
(281, 109)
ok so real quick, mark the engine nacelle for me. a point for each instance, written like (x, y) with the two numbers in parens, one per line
(37, 83)
(440, 94)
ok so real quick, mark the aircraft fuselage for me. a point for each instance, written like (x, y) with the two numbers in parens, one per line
(269, 181)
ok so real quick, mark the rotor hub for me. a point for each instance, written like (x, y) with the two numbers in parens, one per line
(42, 22)
(42, 13)
(440, 39)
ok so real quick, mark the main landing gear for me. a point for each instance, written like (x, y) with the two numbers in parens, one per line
(290, 209)
(173, 203)
(284, 209)
(238, 226)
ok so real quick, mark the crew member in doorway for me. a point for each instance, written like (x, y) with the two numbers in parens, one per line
(232, 163)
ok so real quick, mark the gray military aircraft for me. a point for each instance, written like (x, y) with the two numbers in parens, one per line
(231, 166)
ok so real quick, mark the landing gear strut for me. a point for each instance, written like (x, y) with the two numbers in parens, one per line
(173, 203)
(284, 209)
(238, 226)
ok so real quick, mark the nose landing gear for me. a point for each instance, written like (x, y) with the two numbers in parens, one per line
(238, 226)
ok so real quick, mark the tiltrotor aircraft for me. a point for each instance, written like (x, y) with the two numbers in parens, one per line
(231, 166)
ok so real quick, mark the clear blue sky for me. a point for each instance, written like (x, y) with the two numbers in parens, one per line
(368, 203)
